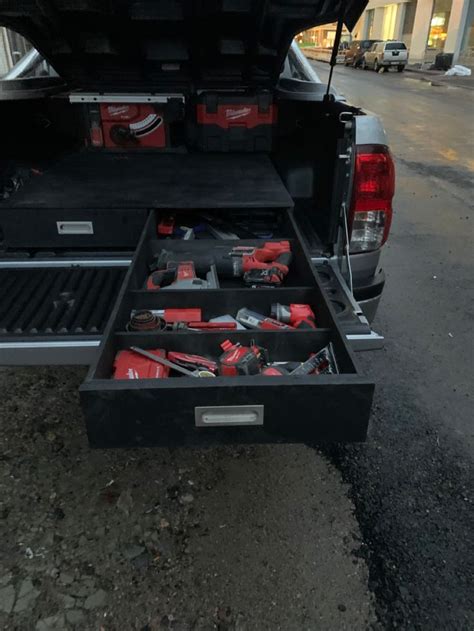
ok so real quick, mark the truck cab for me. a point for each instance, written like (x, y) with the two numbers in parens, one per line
(176, 133)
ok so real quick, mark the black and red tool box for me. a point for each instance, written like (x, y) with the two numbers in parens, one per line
(236, 122)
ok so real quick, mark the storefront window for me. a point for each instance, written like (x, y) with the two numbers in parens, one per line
(439, 23)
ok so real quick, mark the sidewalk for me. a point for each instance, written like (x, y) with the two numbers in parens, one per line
(438, 78)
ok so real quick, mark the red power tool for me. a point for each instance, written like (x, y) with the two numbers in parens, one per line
(298, 316)
(181, 275)
(254, 320)
(241, 360)
(267, 265)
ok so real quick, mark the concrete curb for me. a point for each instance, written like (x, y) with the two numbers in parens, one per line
(439, 79)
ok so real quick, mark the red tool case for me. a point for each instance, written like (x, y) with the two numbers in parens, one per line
(237, 122)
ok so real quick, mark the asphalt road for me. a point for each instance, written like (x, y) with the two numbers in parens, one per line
(412, 483)
(377, 535)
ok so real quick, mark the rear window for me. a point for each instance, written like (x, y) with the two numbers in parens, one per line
(366, 43)
(395, 46)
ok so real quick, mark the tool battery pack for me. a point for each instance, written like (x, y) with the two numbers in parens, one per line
(235, 122)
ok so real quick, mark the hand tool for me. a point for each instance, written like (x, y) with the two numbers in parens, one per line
(228, 318)
(192, 361)
(190, 314)
(176, 319)
(176, 367)
(158, 319)
(129, 365)
(254, 320)
(241, 360)
(181, 275)
(267, 265)
(207, 326)
(299, 316)
(321, 363)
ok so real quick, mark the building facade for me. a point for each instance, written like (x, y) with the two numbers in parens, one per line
(427, 27)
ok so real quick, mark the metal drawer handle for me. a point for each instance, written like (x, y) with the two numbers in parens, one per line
(218, 416)
(75, 227)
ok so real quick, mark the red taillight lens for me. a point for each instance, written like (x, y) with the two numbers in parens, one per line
(371, 208)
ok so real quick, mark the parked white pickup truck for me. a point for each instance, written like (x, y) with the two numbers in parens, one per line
(385, 55)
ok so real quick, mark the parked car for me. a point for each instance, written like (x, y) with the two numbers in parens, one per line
(386, 55)
(355, 51)
(288, 195)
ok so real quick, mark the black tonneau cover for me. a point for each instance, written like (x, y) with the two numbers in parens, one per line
(169, 45)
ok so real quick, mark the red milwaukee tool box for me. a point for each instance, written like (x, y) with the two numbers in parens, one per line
(235, 122)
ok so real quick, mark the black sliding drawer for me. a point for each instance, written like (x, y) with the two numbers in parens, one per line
(181, 410)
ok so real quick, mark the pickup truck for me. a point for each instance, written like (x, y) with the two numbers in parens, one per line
(166, 120)
(385, 55)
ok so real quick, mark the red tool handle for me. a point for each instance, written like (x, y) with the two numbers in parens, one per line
(182, 315)
(212, 325)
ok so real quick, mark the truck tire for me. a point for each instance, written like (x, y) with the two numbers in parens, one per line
(364, 64)
(400, 68)
(376, 65)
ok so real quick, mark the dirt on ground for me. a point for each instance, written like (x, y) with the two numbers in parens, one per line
(225, 538)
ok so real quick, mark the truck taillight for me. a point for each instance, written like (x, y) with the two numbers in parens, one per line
(372, 193)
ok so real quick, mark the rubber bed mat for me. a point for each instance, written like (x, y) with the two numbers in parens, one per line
(57, 301)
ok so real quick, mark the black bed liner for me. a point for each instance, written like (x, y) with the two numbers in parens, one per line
(89, 180)
(46, 302)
